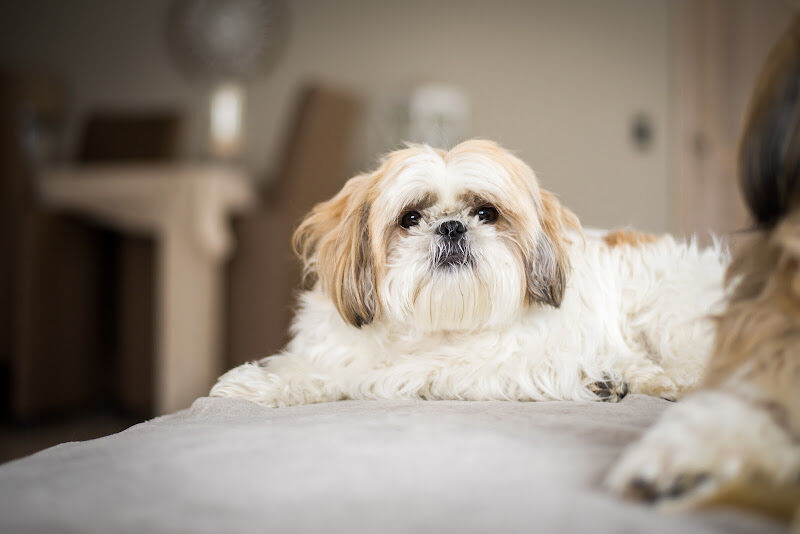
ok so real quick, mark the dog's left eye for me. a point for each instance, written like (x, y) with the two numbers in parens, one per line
(486, 214)
(410, 218)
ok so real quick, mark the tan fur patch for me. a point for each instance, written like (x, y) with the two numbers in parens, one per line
(632, 238)
(759, 334)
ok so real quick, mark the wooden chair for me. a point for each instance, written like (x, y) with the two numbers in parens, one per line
(263, 274)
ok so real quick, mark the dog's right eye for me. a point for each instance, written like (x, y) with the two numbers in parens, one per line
(410, 218)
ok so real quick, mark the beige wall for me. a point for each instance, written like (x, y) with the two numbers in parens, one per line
(558, 81)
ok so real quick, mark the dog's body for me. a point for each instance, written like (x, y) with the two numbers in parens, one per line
(535, 309)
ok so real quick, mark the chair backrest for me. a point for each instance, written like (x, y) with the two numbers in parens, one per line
(317, 149)
(263, 275)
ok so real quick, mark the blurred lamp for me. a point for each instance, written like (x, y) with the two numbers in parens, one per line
(227, 102)
(226, 43)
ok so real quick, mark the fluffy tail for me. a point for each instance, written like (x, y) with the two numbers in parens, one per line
(769, 154)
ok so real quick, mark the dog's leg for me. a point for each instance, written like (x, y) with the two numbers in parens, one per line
(281, 380)
(672, 352)
(706, 444)
(681, 350)
(737, 443)
(668, 321)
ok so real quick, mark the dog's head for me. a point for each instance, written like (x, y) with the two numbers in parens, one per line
(441, 240)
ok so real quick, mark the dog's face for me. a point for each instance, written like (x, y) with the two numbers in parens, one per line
(439, 240)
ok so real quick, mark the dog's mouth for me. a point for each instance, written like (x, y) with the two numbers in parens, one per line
(454, 260)
(452, 255)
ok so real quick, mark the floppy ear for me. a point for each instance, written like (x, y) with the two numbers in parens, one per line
(333, 244)
(549, 264)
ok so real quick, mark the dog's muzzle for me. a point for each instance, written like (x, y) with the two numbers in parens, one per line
(452, 248)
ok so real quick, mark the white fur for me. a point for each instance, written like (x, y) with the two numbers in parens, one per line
(633, 314)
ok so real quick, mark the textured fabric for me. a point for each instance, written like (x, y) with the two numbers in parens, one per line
(368, 466)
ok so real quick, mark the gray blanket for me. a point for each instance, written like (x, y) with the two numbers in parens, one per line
(232, 466)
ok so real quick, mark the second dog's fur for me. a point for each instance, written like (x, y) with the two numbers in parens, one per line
(737, 440)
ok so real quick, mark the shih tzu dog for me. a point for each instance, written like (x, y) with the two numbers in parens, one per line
(737, 440)
(452, 275)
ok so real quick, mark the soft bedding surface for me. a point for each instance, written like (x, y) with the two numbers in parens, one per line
(355, 466)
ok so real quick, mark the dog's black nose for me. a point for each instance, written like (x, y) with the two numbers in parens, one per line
(451, 229)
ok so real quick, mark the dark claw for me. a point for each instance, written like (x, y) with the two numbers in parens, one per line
(643, 490)
(684, 484)
(609, 390)
(646, 490)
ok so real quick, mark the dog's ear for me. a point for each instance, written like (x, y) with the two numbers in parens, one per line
(333, 243)
(548, 261)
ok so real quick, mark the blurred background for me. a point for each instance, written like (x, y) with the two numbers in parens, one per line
(155, 156)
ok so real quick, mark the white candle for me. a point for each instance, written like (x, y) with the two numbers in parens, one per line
(227, 107)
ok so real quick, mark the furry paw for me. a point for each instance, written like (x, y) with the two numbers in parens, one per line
(276, 382)
(609, 390)
(703, 446)
(253, 382)
(653, 381)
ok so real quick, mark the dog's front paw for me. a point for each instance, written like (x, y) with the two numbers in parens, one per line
(656, 473)
(609, 390)
(655, 384)
(701, 446)
(280, 381)
(253, 382)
